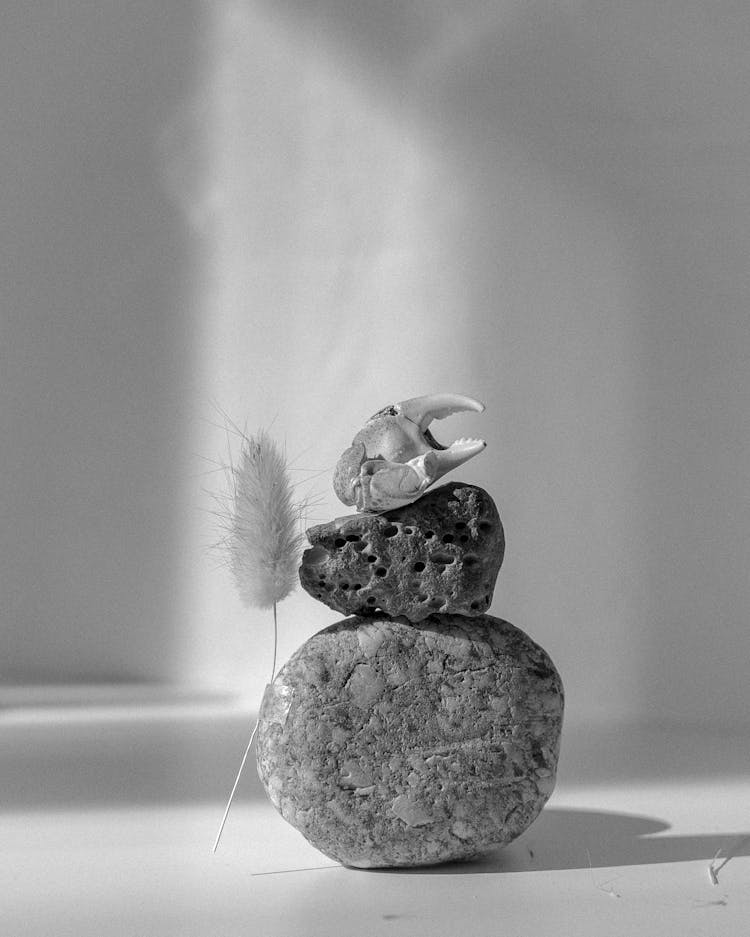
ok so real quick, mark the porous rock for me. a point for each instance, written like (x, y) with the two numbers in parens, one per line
(387, 743)
(440, 554)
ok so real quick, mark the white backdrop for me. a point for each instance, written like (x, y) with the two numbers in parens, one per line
(542, 204)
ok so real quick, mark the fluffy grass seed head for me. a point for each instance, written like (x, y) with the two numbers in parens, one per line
(263, 546)
(263, 539)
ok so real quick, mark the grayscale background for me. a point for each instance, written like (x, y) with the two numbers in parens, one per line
(297, 212)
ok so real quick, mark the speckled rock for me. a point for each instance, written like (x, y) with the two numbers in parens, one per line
(387, 743)
(440, 554)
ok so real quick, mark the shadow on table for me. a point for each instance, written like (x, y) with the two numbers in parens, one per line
(128, 758)
(579, 839)
(618, 753)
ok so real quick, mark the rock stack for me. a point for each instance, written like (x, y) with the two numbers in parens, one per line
(421, 729)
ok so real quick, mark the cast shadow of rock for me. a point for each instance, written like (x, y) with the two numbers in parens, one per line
(579, 839)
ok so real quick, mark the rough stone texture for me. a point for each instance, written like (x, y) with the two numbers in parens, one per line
(388, 743)
(439, 554)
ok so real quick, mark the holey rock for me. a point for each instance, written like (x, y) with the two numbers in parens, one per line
(387, 743)
(439, 554)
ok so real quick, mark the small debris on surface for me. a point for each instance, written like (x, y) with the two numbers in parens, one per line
(719, 902)
(605, 887)
(713, 869)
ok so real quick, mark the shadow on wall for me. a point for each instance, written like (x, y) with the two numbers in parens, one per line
(96, 339)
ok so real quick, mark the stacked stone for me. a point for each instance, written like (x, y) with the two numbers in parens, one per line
(440, 554)
(421, 729)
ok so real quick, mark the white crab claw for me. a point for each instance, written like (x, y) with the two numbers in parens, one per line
(456, 454)
(423, 410)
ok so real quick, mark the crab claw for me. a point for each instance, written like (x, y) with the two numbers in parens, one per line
(394, 458)
(423, 410)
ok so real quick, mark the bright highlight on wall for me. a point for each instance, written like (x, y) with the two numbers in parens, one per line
(511, 209)
(329, 224)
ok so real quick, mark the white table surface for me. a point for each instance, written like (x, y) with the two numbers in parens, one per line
(109, 813)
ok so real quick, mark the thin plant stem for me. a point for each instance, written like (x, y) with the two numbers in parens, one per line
(251, 740)
(234, 787)
(275, 642)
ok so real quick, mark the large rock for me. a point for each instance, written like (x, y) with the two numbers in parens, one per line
(394, 744)
(439, 554)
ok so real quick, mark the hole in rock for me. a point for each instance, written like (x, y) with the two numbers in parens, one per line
(390, 531)
(408, 530)
(460, 525)
(352, 538)
(442, 559)
(485, 527)
(372, 559)
(470, 560)
(418, 566)
(344, 586)
(422, 597)
(357, 586)
(339, 542)
(381, 571)
(315, 556)
(448, 538)
(474, 605)
(372, 600)
(429, 534)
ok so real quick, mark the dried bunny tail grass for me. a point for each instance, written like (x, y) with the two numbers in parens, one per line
(263, 541)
